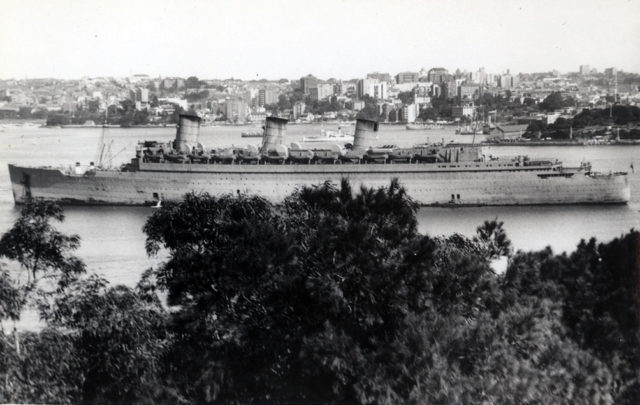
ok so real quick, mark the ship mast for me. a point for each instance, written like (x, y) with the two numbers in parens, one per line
(100, 151)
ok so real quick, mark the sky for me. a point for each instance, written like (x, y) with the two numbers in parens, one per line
(272, 39)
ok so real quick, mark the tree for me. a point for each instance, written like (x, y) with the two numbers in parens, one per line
(38, 247)
(283, 102)
(552, 102)
(54, 120)
(11, 297)
(406, 97)
(493, 237)
(192, 82)
(118, 336)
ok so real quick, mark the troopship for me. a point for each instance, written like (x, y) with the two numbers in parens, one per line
(432, 174)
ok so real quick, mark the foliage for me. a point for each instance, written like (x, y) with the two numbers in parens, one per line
(197, 96)
(11, 297)
(493, 237)
(370, 110)
(331, 296)
(57, 119)
(406, 97)
(38, 247)
(555, 101)
(47, 369)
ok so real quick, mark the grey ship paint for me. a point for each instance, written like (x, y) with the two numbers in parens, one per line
(431, 174)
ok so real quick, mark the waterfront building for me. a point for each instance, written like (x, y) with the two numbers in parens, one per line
(236, 110)
(465, 110)
(298, 109)
(409, 113)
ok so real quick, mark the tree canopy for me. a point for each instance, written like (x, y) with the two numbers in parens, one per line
(330, 296)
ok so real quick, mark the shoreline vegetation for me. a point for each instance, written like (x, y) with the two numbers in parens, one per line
(332, 296)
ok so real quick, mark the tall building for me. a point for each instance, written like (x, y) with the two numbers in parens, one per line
(506, 81)
(409, 113)
(307, 83)
(449, 89)
(407, 77)
(610, 72)
(267, 97)
(322, 91)
(438, 75)
(373, 88)
(585, 69)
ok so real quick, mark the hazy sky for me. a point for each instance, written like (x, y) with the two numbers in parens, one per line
(329, 38)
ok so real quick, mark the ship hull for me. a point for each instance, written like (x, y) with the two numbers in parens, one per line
(427, 186)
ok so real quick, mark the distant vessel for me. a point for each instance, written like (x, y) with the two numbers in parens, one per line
(469, 130)
(330, 136)
(432, 174)
(254, 134)
(424, 126)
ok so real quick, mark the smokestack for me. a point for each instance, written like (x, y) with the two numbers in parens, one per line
(365, 134)
(187, 132)
(274, 131)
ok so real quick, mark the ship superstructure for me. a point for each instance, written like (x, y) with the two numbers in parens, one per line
(433, 174)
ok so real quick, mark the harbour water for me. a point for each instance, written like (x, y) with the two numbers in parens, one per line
(112, 237)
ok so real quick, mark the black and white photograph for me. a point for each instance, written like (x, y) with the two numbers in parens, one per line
(320, 202)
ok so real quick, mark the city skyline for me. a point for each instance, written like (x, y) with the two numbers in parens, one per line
(285, 39)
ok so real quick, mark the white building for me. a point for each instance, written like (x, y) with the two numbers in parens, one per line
(372, 88)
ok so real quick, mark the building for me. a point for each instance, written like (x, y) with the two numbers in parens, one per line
(585, 69)
(267, 97)
(236, 110)
(322, 91)
(505, 81)
(383, 77)
(372, 88)
(407, 77)
(610, 72)
(510, 131)
(139, 97)
(298, 110)
(438, 75)
(468, 91)
(307, 83)
(409, 113)
(466, 110)
(358, 105)
(449, 89)
(257, 116)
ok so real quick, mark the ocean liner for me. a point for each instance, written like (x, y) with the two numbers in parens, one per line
(432, 174)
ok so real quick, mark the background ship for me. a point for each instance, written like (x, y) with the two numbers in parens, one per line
(432, 174)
